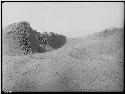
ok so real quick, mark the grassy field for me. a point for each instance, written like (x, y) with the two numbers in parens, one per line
(80, 65)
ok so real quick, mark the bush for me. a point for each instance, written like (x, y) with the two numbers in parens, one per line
(56, 41)
(19, 38)
(52, 39)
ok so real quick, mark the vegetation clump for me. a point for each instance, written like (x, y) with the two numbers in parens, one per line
(19, 38)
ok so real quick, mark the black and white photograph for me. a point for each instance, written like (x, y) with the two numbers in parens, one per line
(62, 47)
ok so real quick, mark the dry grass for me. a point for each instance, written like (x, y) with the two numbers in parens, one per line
(89, 65)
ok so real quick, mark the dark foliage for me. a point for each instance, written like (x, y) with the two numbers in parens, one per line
(52, 39)
(22, 39)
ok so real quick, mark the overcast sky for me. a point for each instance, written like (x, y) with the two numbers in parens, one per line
(73, 19)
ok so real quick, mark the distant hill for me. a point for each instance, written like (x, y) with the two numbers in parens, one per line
(106, 33)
